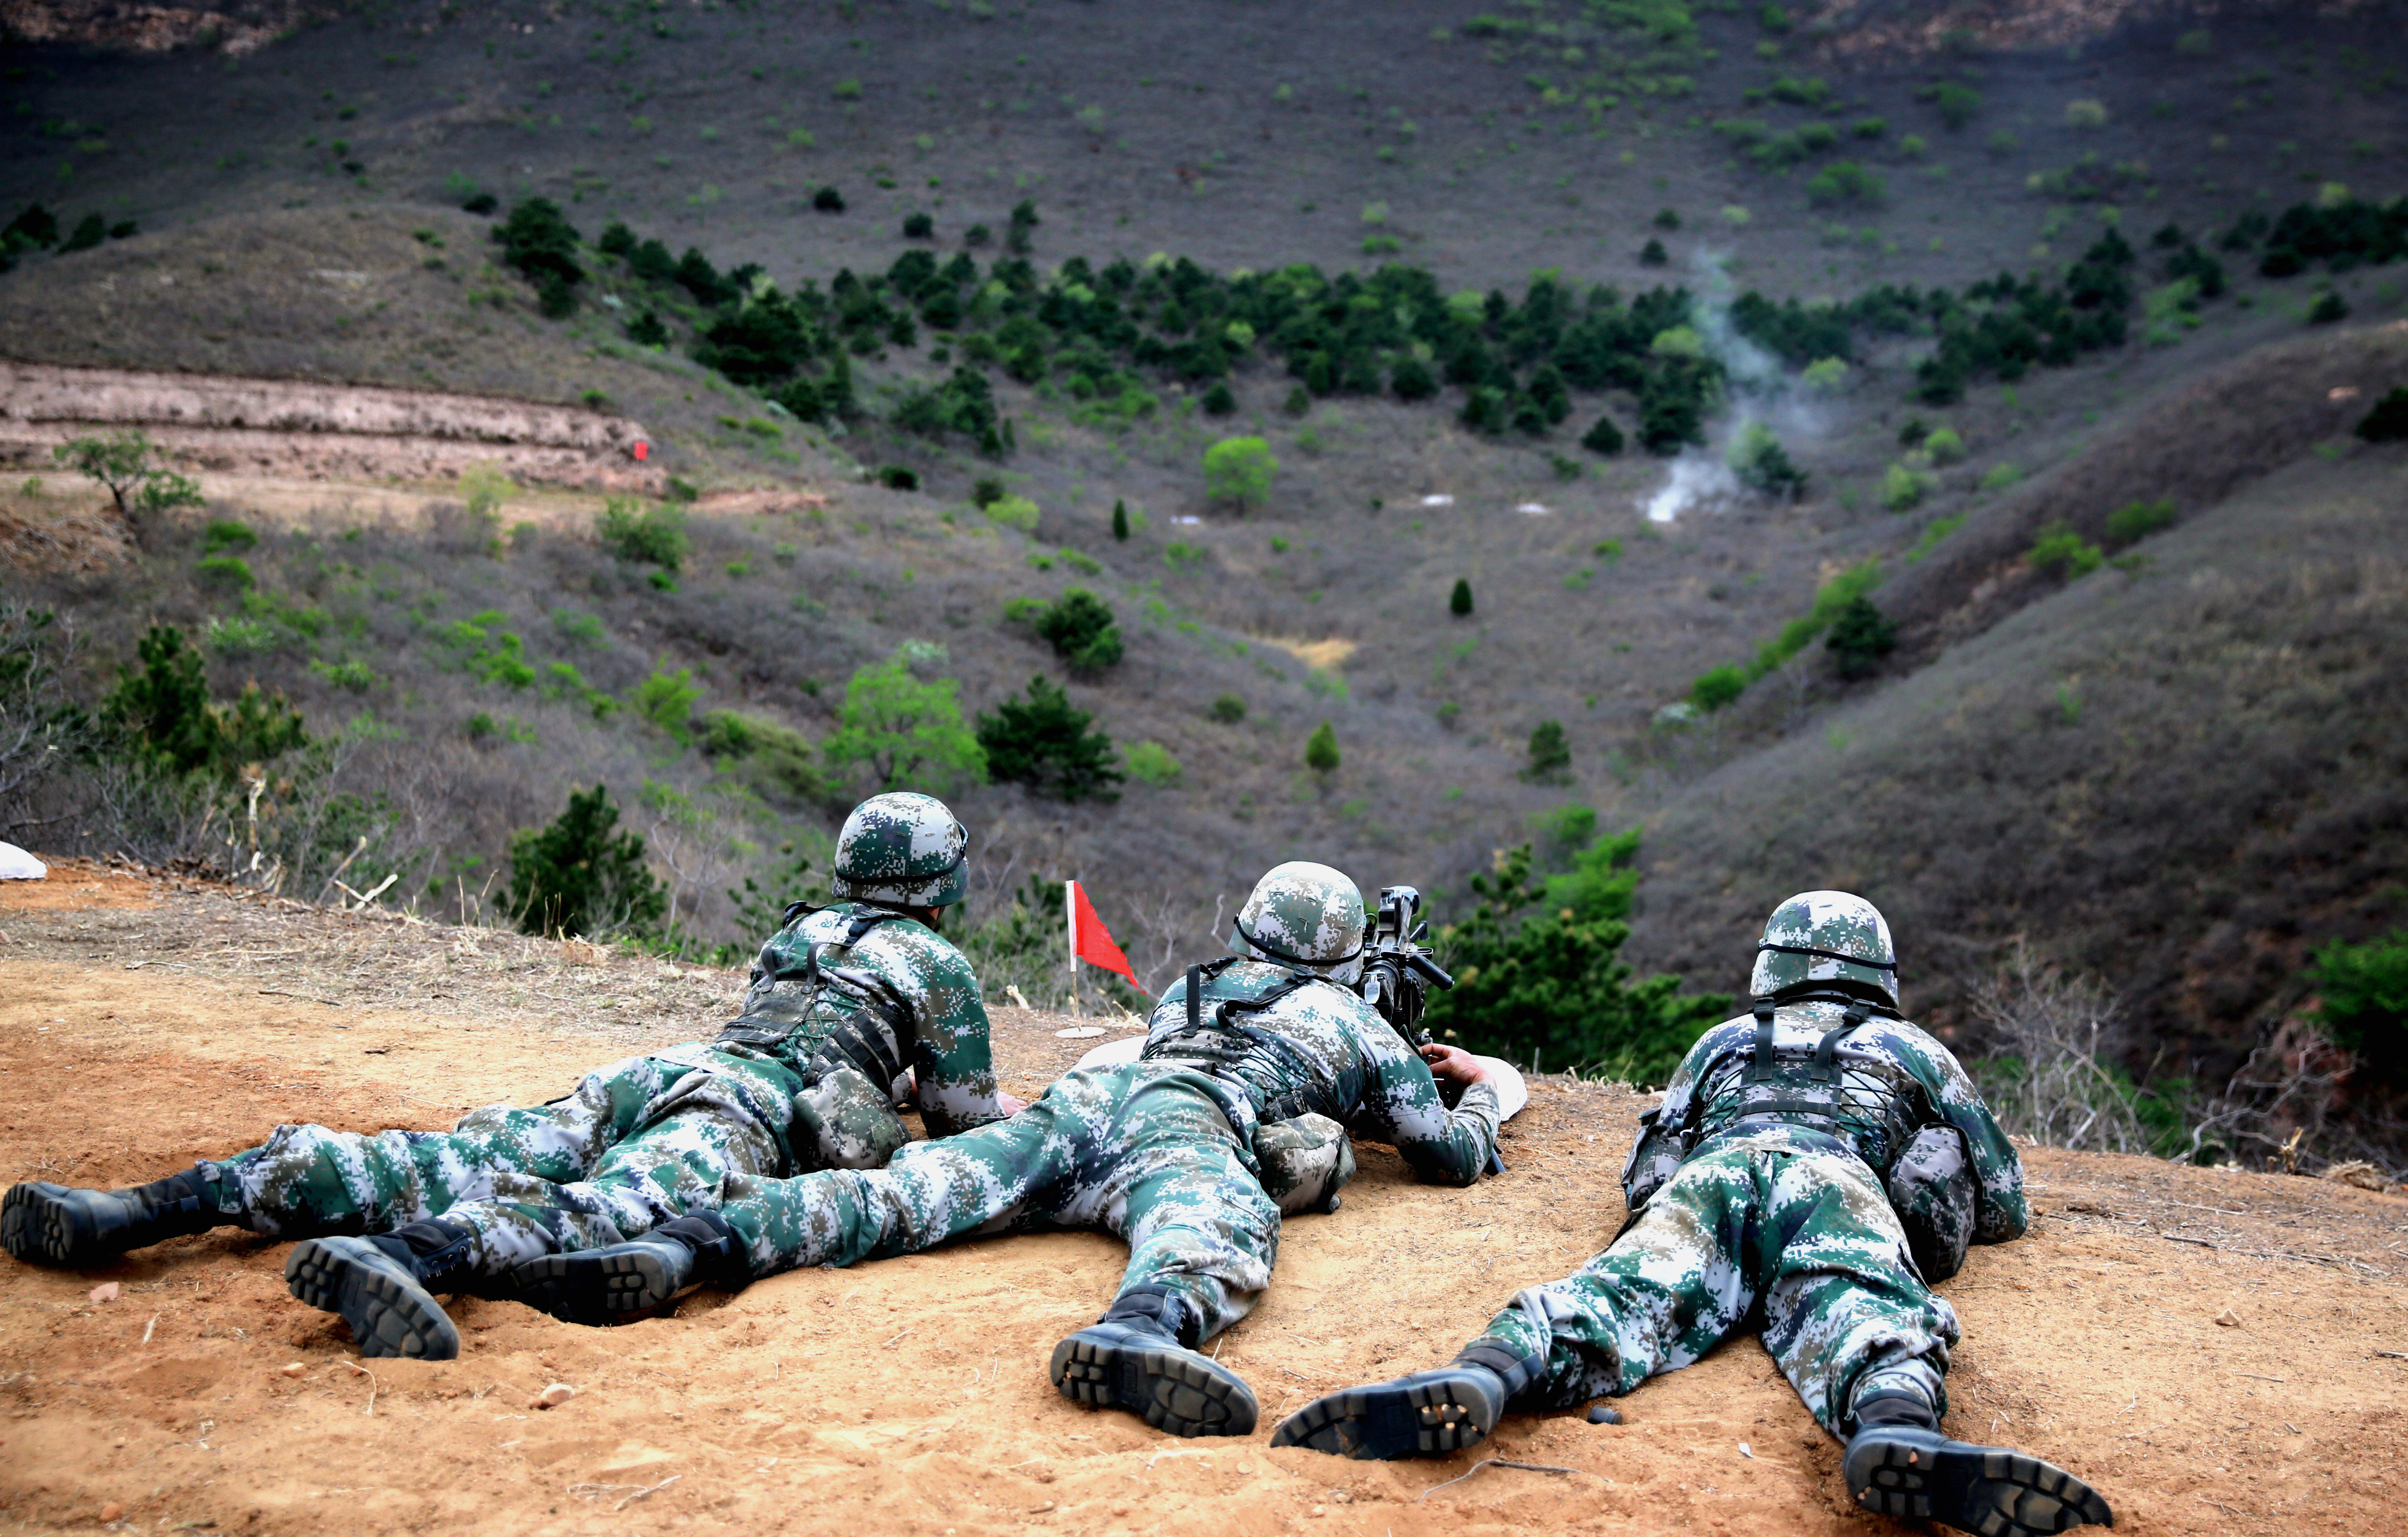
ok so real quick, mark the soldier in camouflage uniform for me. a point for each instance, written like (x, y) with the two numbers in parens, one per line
(1821, 1160)
(1254, 1069)
(844, 1001)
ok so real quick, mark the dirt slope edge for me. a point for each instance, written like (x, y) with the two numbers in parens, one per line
(295, 429)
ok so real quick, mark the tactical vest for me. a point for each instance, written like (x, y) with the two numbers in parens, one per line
(1216, 1037)
(872, 1026)
(1866, 1102)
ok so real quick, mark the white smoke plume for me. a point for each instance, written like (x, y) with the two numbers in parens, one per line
(1696, 481)
(1700, 479)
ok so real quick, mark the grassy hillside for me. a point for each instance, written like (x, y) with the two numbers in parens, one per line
(1995, 242)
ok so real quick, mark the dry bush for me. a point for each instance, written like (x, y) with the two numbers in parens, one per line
(2050, 1077)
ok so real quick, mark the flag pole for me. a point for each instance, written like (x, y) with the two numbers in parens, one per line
(1071, 932)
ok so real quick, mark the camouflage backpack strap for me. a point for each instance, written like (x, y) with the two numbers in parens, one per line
(812, 971)
(1224, 1040)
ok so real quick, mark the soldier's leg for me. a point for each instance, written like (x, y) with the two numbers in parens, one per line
(310, 1179)
(1202, 1237)
(1660, 1295)
(412, 1191)
(1866, 1344)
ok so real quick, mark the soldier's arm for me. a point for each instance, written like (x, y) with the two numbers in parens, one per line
(2001, 1212)
(951, 1055)
(1401, 1107)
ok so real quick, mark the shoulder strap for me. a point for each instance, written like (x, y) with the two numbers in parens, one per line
(1760, 1068)
(1826, 1051)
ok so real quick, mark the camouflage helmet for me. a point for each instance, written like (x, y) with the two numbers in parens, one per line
(901, 850)
(1826, 937)
(1304, 915)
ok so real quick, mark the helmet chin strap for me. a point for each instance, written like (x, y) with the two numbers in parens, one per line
(1274, 953)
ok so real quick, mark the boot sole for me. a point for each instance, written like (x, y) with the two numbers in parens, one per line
(1176, 1390)
(594, 1288)
(1389, 1420)
(1986, 1490)
(39, 1228)
(389, 1317)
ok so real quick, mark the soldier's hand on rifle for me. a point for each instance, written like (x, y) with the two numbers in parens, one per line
(1453, 1063)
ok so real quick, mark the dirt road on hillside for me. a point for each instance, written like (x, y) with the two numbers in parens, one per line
(143, 1025)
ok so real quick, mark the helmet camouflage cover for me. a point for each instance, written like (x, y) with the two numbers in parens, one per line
(901, 850)
(1827, 937)
(1304, 915)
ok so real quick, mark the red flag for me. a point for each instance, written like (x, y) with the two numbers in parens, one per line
(1090, 942)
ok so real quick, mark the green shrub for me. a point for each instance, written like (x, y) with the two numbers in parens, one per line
(2364, 1003)
(1458, 602)
(357, 677)
(1844, 181)
(2086, 114)
(1238, 470)
(1763, 464)
(898, 478)
(1551, 756)
(1120, 519)
(1228, 710)
(2135, 521)
(1905, 487)
(1717, 687)
(1220, 400)
(1015, 512)
(1321, 750)
(909, 734)
(1540, 981)
(1081, 628)
(1151, 763)
(653, 535)
(1860, 637)
(1998, 477)
(919, 226)
(574, 877)
(667, 699)
(2061, 552)
(1941, 528)
(228, 571)
(226, 535)
(1945, 445)
(772, 759)
(1825, 376)
(1654, 254)
(1042, 743)
(1957, 103)
(164, 717)
(1604, 438)
(2330, 306)
(2388, 423)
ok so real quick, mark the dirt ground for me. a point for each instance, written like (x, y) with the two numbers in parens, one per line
(2216, 1351)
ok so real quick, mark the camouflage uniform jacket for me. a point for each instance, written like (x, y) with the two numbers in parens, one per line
(1320, 1049)
(1888, 1080)
(933, 983)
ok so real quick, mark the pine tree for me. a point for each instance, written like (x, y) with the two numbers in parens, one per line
(573, 877)
(1604, 438)
(1120, 519)
(1321, 750)
(1551, 756)
(1459, 603)
(1044, 743)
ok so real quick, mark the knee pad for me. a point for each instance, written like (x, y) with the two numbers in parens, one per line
(844, 1121)
(1931, 1190)
(1304, 1162)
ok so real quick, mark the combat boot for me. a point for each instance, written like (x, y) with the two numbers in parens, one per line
(1900, 1463)
(55, 1225)
(1427, 1413)
(383, 1286)
(615, 1285)
(1141, 1356)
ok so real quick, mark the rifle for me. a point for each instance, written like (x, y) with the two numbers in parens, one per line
(1398, 971)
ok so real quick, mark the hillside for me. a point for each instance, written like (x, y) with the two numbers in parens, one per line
(1983, 218)
(911, 1394)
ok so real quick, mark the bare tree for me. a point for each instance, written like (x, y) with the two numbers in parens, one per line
(2050, 1076)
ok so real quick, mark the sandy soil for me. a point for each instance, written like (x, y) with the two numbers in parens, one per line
(192, 1019)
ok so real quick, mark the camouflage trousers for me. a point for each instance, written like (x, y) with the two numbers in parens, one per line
(636, 1143)
(1152, 1153)
(1784, 1221)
